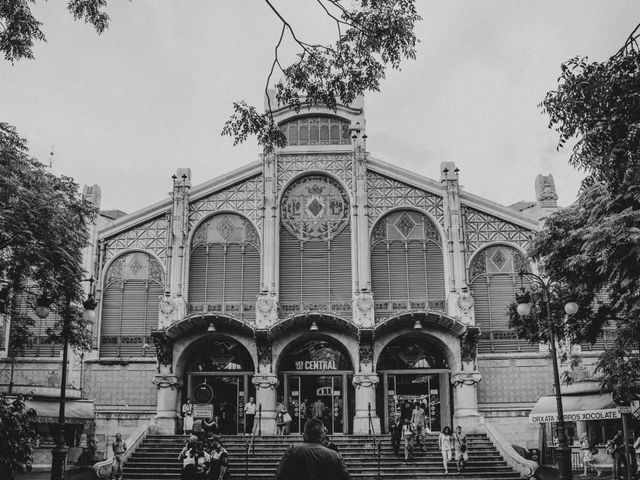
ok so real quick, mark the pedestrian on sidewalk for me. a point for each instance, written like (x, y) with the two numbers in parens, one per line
(311, 460)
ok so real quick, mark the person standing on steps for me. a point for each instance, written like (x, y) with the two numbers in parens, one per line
(418, 419)
(396, 434)
(407, 438)
(311, 460)
(280, 421)
(460, 448)
(219, 460)
(119, 448)
(317, 409)
(187, 417)
(249, 415)
(445, 444)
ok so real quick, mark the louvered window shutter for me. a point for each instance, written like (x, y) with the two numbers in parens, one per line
(315, 275)
(41, 346)
(250, 281)
(380, 277)
(435, 276)
(111, 314)
(198, 274)
(290, 272)
(340, 272)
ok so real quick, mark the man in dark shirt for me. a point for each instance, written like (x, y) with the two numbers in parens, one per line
(311, 460)
(396, 434)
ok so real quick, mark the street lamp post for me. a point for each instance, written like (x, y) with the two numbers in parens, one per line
(59, 452)
(563, 451)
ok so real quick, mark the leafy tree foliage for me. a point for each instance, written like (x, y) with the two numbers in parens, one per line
(19, 29)
(372, 36)
(593, 246)
(43, 230)
(16, 435)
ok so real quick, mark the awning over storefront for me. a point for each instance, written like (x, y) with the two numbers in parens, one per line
(575, 408)
(76, 411)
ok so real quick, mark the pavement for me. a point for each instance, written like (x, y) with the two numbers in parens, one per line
(74, 474)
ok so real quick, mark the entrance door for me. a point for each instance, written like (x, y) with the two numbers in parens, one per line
(424, 389)
(317, 396)
(226, 394)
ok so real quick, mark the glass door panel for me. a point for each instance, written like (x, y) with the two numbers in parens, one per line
(297, 413)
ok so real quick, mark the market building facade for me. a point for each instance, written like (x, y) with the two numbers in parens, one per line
(316, 272)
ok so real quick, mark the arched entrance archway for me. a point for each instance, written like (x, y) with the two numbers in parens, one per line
(218, 371)
(414, 368)
(315, 373)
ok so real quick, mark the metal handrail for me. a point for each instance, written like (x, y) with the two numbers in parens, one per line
(377, 445)
(259, 419)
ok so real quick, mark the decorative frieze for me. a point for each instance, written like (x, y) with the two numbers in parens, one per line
(150, 236)
(385, 193)
(481, 228)
(339, 164)
(244, 198)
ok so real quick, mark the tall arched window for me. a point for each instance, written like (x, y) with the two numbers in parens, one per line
(315, 247)
(133, 285)
(407, 265)
(494, 284)
(224, 267)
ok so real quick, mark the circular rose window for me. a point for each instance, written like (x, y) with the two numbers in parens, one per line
(315, 207)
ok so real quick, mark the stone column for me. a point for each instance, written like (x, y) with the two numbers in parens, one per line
(167, 418)
(266, 397)
(179, 238)
(465, 397)
(365, 386)
(465, 382)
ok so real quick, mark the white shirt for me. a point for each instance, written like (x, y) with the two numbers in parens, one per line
(250, 408)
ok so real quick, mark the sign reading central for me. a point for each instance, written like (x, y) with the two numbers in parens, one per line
(315, 207)
(315, 365)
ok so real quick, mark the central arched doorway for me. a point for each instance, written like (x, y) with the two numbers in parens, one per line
(317, 368)
(218, 371)
(413, 368)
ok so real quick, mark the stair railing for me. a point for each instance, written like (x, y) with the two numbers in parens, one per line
(259, 419)
(246, 460)
(251, 445)
(377, 445)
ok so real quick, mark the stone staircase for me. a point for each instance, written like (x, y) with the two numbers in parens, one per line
(157, 459)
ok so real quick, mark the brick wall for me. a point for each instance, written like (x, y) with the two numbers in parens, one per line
(514, 380)
(123, 384)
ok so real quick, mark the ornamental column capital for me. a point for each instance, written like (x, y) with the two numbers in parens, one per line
(366, 381)
(267, 381)
(466, 378)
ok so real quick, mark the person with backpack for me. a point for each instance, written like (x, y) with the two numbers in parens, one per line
(460, 448)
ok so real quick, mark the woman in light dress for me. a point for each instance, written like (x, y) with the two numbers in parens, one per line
(445, 443)
(187, 417)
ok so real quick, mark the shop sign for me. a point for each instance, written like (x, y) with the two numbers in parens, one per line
(203, 411)
(315, 365)
(585, 415)
(624, 408)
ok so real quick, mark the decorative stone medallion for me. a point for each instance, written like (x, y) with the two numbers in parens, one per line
(315, 207)
(364, 302)
(466, 378)
(166, 305)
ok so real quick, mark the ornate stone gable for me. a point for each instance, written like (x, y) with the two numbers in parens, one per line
(339, 164)
(481, 228)
(150, 236)
(385, 193)
(244, 198)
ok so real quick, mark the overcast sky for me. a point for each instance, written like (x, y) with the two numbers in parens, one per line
(150, 95)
